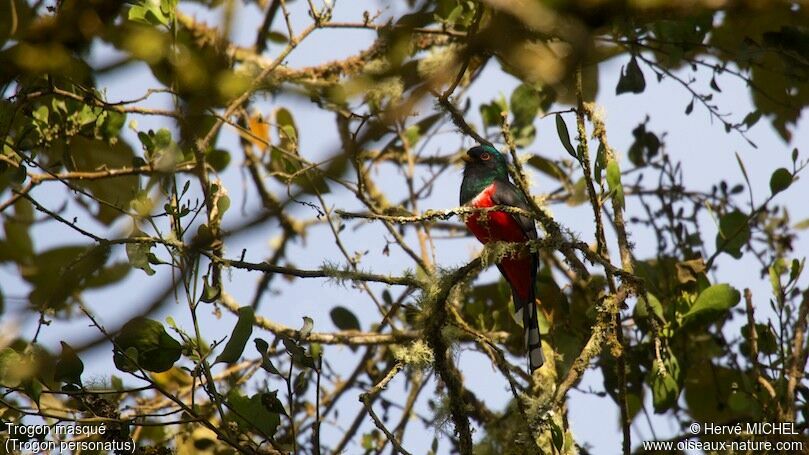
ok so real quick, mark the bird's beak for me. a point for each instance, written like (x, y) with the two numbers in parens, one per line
(466, 158)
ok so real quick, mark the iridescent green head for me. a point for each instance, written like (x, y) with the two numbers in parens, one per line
(484, 165)
(486, 157)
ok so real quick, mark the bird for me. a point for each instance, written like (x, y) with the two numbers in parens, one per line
(486, 183)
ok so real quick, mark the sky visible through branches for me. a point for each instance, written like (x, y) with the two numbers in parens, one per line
(705, 150)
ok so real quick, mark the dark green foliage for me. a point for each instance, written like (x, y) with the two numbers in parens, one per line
(239, 337)
(564, 136)
(259, 413)
(632, 80)
(112, 196)
(344, 319)
(69, 367)
(144, 343)
(734, 232)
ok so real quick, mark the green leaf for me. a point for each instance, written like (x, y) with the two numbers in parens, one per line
(20, 174)
(223, 204)
(548, 167)
(751, 118)
(238, 338)
(168, 6)
(62, 272)
(344, 319)
(93, 154)
(286, 129)
(614, 181)
(204, 236)
(138, 14)
(738, 401)
(108, 275)
(149, 12)
(161, 151)
(218, 159)
(308, 325)
(734, 232)
(18, 245)
(648, 306)
(664, 392)
(149, 345)
(109, 125)
(412, 134)
(117, 383)
(765, 340)
(665, 388)
(138, 254)
(679, 35)
(524, 135)
(209, 293)
(578, 193)
(455, 14)
(316, 353)
(69, 367)
(775, 277)
(780, 180)
(272, 403)
(262, 347)
(301, 383)
(299, 355)
(277, 37)
(645, 146)
(557, 436)
(601, 162)
(632, 80)
(284, 161)
(706, 390)
(714, 85)
(33, 388)
(743, 168)
(41, 114)
(491, 113)
(564, 136)
(10, 362)
(162, 139)
(250, 414)
(690, 270)
(525, 103)
(712, 303)
(795, 270)
(370, 441)
(634, 403)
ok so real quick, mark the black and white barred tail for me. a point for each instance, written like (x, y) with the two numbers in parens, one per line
(527, 312)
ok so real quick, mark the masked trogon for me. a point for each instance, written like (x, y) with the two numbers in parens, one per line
(486, 184)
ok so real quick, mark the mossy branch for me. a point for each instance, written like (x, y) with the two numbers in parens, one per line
(595, 201)
(436, 304)
(325, 272)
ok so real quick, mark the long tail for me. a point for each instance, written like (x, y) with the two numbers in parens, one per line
(527, 311)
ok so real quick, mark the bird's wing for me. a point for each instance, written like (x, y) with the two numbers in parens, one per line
(506, 193)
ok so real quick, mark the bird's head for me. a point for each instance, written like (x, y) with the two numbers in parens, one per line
(485, 160)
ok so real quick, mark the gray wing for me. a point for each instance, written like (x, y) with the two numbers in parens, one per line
(507, 194)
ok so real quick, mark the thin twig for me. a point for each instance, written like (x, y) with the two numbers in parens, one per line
(365, 398)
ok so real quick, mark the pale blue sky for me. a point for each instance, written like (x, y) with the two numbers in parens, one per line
(706, 152)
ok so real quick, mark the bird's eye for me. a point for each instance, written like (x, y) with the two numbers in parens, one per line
(485, 156)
